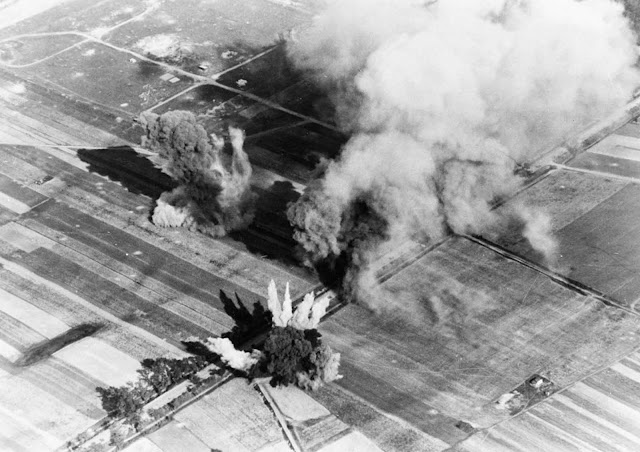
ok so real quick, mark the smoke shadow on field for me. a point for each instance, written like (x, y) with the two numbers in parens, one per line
(270, 234)
(124, 165)
(248, 323)
(147, 69)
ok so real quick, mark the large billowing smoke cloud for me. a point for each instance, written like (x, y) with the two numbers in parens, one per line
(213, 194)
(443, 100)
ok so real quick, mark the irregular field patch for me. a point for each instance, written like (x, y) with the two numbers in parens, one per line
(77, 15)
(222, 33)
(30, 49)
(109, 77)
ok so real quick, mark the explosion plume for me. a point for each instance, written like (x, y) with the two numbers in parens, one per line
(443, 101)
(293, 351)
(213, 194)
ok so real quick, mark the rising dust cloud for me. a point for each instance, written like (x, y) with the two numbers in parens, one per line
(213, 195)
(442, 101)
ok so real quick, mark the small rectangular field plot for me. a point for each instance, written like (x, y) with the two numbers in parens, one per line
(596, 223)
(16, 197)
(33, 317)
(460, 327)
(272, 76)
(174, 437)
(233, 417)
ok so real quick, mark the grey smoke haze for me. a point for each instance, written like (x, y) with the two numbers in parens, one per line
(442, 100)
(213, 194)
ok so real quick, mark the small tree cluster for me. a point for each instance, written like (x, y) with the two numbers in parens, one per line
(124, 402)
(162, 373)
(155, 377)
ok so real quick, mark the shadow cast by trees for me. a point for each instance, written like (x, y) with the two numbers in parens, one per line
(249, 324)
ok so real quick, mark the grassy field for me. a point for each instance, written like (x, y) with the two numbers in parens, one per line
(221, 35)
(80, 15)
(30, 49)
(96, 72)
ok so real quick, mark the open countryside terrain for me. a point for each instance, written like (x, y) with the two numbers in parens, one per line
(77, 248)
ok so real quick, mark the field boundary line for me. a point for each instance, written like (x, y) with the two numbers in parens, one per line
(242, 63)
(632, 180)
(280, 419)
(29, 275)
(560, 391)
(33, 63)
(170, 98)
(564, 281)
(149, 8)
(273, 105)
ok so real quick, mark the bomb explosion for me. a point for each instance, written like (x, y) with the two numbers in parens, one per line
(213, 193)
(442, 101)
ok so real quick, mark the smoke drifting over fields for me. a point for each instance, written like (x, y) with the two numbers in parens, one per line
(213, 194)
(443, 99)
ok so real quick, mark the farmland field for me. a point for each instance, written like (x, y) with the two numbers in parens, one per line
(76, 244)
(467, 320)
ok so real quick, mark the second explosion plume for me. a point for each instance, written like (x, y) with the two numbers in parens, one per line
(443, 100)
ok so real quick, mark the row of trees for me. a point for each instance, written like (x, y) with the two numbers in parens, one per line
(155, 377)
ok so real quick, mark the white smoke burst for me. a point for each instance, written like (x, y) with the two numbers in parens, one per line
(443, 99)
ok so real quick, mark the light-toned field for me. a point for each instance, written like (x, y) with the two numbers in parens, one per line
(12, 12)
(35, 318)
(33, 419)
(233, 417)
(101, 361)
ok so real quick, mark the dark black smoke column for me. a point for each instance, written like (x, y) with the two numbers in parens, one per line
(213, 194)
